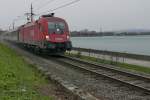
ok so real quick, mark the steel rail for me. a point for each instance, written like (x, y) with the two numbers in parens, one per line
(94, 69)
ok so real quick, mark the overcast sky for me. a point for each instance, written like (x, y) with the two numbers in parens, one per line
(90, 14)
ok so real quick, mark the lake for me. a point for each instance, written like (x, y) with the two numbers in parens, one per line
(128, 44)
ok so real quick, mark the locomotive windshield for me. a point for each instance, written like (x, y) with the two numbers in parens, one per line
(56, 27)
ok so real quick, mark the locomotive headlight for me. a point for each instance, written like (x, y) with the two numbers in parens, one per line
(47, 37)
(68, 37)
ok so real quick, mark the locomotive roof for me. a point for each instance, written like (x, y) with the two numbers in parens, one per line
(53, 18)
(29, 24)
(42, 18)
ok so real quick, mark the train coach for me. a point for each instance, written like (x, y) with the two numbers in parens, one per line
(47, 34)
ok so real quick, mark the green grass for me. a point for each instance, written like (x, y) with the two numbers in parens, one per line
(18, 80)
(118, 64)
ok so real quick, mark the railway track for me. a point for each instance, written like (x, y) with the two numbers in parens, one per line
(126, 78)
(135, 81)
(92, 82)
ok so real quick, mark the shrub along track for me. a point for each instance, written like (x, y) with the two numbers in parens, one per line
(78, 73)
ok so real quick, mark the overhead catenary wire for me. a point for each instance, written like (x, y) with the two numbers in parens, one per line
(19, 18)
(22, 17)
(62, 6)
(33, 1)
(65, 5)
(36, 2)
(59, 7)
(45, 4)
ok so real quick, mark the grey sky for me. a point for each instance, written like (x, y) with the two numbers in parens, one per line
(90, 14)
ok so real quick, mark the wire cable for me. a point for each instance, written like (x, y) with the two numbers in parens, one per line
(36, 2)
(45, 4)
(33, 1)
(62, 6)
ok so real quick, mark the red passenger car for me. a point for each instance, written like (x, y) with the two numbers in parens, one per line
(49, 33)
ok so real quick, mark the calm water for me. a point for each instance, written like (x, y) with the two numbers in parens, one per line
(128, 44)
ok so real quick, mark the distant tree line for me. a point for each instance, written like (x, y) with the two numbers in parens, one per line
(132, 33)
(87, 33)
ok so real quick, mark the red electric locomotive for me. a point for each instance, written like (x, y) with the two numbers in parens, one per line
(49, 33)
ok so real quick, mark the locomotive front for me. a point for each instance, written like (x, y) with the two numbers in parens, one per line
(57, 36)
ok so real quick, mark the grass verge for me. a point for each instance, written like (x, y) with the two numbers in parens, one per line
(18, 79)
(118, 64)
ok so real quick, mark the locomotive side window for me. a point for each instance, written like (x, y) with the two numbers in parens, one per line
(56, 27)
(41, 28)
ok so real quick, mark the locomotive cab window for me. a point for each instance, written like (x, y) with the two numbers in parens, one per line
(56, 27)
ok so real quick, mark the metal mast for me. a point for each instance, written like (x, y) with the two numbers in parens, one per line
(32, 13)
